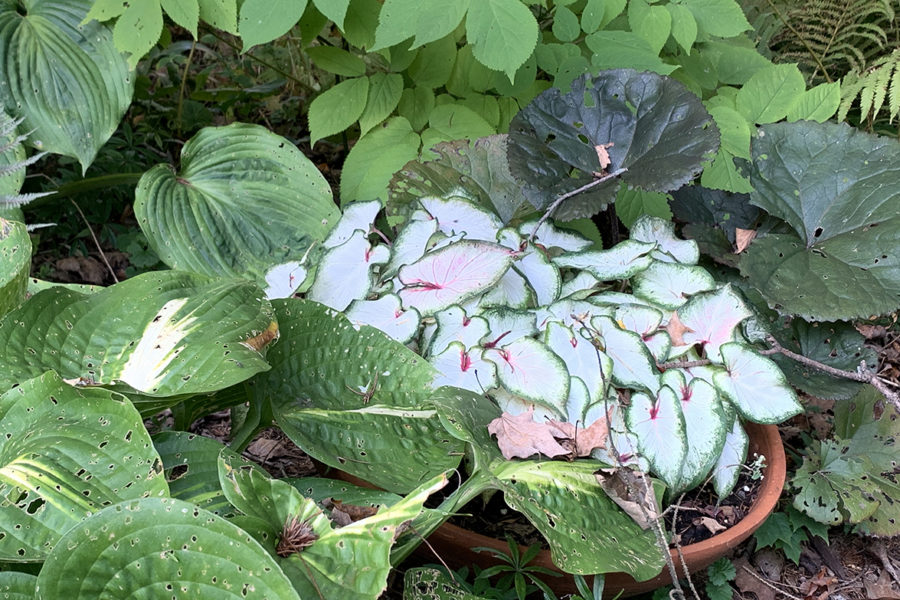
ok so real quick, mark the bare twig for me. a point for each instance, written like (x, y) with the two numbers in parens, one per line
(770, 584)
(96, 242)
(568, 195)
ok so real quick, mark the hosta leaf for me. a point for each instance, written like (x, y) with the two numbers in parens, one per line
(660, 430)
(728, 467)
(712, 318)
(458, 215)
(15, 264)
(17, 586)
(385, 314)
(660, 131)
(67, 80)
(64, 454)
(530, 369)
(172, 545)
(633, 365)
(755, 385)
(622, 261)
(669, 285)
(162, 334)
(452, 275)
(353, 398)
(422, 583)
(345, 272)
(476, 169)
(845, 212)
(465, 368)
(244, 201)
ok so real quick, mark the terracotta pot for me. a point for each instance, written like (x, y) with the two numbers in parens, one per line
(453, 544)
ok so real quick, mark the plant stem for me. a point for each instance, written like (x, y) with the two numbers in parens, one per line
(184, 76)
(96, 241)
(568, 195)
(803, 41)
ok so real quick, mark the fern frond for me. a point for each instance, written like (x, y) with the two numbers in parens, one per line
(871, 87)
(20, 200)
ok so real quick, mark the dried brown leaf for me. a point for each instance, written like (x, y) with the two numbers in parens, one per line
(676, 329)
(742, 239)
(585, 440)
(630, 491)
(711, 525)
(882, 589)
(519, 436)
(603, 155)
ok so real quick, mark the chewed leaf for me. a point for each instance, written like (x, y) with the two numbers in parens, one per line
(582, 359)
(755, 385)
(622, 261)
(728, 467)
(410, 244)
(387, 315)
(711, 319)
(345, 272)
(453, 274)
(454, 326)
(464, 368)
(457, 215)
(530, 369)
(669, 284)
(357, 216)
(551, 237)
(283, 280)
(659, 427)
(633, 366)
(669, 248)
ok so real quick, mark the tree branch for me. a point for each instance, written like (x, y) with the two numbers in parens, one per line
(568, 195)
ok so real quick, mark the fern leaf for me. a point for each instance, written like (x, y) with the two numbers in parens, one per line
(894, 96)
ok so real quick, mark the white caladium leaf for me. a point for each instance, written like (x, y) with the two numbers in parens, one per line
(643, 320)
(549, 236)
(706, 424)
(507, 325)
(571, 312)
(633, 365)
(662, 232)
(617, 298)
(464, 368)
(453, 274)
(734, 453)
(283, 280)
(516, 405)
(528, 368)
(581, 357)
(579, 287)
(345, 272)
(597, 410)
(578, 402)
(357, 216)
(670, 284)
(511, 291)
(510, 238)
(659, 344)
(755, 385)
(442, 240)
(385, 314)
(542, 275)
(660, 430)
(453, 325)
(410, 245)
(622, 261)
(460, 215)
(712, 318)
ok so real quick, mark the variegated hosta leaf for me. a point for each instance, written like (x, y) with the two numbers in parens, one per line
(67, 79)
(755, 385)
(712, 319)
(659, 428)
(669, 284)
(245, 201)
(453, 274)
(162, 334)
(65, 453)
(464, 368)
(633, 365)
(385, 314)
(345, 272)
(459, 215)
(159, 548)
(622, 261)
(15, 264)
(357, 216)
(530, 369)
(669, 247)
(734, 453)
(453, 325)
(410, 245)
(582, 359)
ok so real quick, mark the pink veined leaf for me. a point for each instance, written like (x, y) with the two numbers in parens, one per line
(453, 274)
(530, 369)
(710, 319)
(659, 427)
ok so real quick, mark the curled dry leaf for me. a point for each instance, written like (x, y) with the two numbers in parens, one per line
(742, 239)
(676, 329)
(519, 436)
(584, 440)
(345, 514)
(603, 156)
(632, 492)
(296, 536)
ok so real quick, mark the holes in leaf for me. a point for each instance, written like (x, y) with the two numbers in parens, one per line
(34, 506)
(818, 232)
(583, 139)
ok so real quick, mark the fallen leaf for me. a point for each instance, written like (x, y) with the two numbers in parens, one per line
(603, 155)
(345, 514)
(882, 589)
(747, 581)
(819, 586)
(871, 331)
(711, 525)
(742, 239)
(519, 436)
(629, 489)
(676, 329)
(585, 440)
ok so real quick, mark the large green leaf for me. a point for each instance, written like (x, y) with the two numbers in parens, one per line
(659, 130)
(354, 398)
(159, 334)
(244, 201)
(65, 453)
(160, 548)
(503, 34)
(15, 264)
(17, 586)
(836, 188)
(66, 79)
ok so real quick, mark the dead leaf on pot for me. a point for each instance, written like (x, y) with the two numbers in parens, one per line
(519, 436)
(712, 525)
(584, 440)
(344, 514)
(631, 492)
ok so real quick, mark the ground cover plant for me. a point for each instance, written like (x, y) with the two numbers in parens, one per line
(468, 266)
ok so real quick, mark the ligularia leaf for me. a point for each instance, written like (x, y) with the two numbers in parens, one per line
(452, 275)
